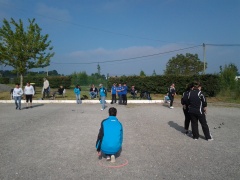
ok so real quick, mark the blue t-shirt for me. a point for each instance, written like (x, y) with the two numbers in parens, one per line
(125, 89)
(114, 89)
(102, 91)
(119, 92)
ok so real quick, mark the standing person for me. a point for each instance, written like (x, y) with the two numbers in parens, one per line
(124, 93)
(77, 92)
(29, 93)
(197, 105)
(103, 94)
(171, 94)
(17, 95)
(184, 102)
(46, 88)
(110, 136)
(113, 92)
(93, 92)
(119, 92)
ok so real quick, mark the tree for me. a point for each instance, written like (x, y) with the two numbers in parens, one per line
(228, 75)
(154, 73)
(142, 73)
(184, 65)
(24, 49)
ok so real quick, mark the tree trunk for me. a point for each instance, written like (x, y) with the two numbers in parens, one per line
(21, 80)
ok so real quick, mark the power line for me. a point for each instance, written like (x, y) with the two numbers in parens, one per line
(223, 44)
(128, 59)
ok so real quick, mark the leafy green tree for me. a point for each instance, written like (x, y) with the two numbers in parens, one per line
(24, 49)
(188, 64)
(228, 75)
(142, 73)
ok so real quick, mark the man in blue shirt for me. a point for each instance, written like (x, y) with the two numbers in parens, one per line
(110, 136)
(113, 92)
(119, 92)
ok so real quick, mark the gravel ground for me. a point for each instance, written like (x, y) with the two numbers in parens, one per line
(57, 141)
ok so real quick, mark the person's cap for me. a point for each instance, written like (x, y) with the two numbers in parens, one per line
(100, 85)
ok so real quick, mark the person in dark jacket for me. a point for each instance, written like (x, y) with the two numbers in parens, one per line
(184, 102)
(197, 105)
(110, 136)
(171, 94)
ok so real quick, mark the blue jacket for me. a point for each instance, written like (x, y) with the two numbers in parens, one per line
(110, 136)
(77, 91)
(114, 89)
(102, 92)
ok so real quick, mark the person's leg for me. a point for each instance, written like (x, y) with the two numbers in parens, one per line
(19, 102)
(30, 98)
(115, 98)
(112, 98)
(103, 102)
(76, 98)
(187, 119)
(15, 98)
(205, 128)
(194, 123)
(171, 101)
(27, 99)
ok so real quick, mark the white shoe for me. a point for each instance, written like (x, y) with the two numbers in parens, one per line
(113, 160)
(101, 109)
(108, 158)
(210, 139)
(171, 107)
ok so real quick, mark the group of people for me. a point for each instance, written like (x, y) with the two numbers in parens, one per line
(121, 92)
(18, 92)
(195, 109)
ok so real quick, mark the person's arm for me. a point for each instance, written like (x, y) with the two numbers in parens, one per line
(99, 138)
(204, 102)
(33, 90)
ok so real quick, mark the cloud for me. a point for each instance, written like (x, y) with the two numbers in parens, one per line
(53, 12)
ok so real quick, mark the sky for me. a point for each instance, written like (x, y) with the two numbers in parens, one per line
(128, 36)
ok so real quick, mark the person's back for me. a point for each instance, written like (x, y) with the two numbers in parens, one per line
(110, 136)
(112, 141)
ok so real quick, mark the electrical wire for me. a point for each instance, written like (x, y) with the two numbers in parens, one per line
(128, 59)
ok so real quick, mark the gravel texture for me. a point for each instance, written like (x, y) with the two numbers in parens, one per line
(57, 142)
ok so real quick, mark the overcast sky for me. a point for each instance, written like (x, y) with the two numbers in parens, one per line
(127, 36)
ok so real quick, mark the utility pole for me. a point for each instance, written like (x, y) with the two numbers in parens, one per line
(204, 58)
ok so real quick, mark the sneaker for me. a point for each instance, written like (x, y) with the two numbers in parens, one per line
(195, 139)
(210, 139)
(171, 107)
(16, 107)
(108, 158)
(101, 109)
(113, 160)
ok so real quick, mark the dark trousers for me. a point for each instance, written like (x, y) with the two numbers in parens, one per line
(171, 99)
(114, 99)
(46, 91)
(194, 121)
(187, 119)
(124, 97)
(120, 99)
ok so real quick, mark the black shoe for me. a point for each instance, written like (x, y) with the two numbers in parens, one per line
(17, 107)
(111, 102)
(26, 107)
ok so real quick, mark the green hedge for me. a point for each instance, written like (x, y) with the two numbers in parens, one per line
(160, 84)
(4, 80)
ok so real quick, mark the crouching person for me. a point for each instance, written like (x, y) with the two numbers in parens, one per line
(110, 136)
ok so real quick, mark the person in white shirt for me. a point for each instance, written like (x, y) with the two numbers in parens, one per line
(17, 95)
(46, 88)
(29, 93)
